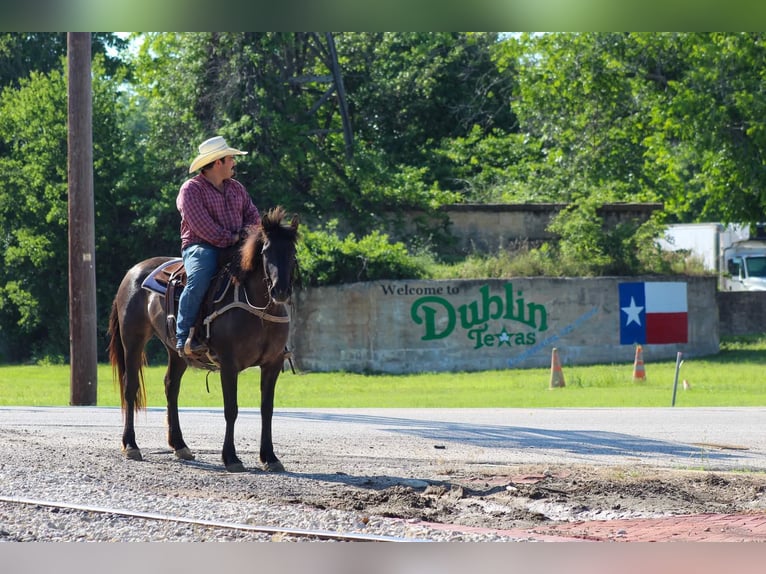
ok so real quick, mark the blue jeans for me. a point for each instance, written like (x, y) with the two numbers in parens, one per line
(201, 262)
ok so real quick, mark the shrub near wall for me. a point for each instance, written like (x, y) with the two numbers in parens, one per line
(456, 325)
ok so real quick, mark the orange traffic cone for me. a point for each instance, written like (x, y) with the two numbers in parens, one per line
(557, 377)
(639, 374)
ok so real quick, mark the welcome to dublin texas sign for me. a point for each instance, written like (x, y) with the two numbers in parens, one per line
(440, 317)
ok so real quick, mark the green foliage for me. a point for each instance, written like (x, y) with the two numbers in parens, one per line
(486, 167)
(409, 91)
(517, 261)
(666, 117)
(437, 118)
(712, 129)
(326, 259)
(589, 247)
(22, 53)
(34, 207)
(33, 216)
(550, 260)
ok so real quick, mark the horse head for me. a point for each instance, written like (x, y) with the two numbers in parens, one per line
(273, 245)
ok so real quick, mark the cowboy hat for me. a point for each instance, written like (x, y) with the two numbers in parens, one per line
(211, 150)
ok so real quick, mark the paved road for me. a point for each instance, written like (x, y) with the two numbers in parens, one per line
(707, 438)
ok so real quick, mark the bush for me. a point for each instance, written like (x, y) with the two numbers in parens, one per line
(586, 248)
(326, 259)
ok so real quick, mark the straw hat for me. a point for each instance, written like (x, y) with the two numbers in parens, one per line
(211, 150)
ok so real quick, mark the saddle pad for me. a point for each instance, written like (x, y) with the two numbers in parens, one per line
(153, 284)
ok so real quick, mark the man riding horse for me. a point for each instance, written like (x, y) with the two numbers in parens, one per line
(214, 208)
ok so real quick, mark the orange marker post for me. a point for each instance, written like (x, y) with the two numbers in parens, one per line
(557, 377)
(639, 373)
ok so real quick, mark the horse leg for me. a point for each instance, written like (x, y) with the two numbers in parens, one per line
(230, 412)
(131, 386)
(173, 374)
(269, 375)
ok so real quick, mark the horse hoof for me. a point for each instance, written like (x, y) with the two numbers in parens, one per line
(132, 453)
(273, 466)
(235, 467)
(184, 453)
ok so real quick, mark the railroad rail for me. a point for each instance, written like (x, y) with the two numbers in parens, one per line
(273, 530)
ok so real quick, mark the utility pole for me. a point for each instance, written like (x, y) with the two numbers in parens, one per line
(348, 134)
(82, 244)
(330, 57)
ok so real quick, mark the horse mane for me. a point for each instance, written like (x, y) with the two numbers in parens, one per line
(273, 227)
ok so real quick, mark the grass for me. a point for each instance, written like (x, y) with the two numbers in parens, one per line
(734, 377)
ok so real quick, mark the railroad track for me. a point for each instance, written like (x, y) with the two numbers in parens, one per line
(272, 530)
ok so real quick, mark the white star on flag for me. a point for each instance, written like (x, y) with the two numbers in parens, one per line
(633, 312)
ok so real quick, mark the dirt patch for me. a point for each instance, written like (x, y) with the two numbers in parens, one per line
(527, 496)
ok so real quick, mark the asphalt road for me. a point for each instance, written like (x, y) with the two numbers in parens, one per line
(706, 438)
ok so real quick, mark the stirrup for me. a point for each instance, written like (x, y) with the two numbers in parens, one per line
(170, 325)
(199, 349)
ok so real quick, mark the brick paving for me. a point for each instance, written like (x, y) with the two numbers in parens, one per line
(690, 528)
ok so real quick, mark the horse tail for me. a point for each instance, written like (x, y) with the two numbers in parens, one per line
(117, 360)
(117, 353)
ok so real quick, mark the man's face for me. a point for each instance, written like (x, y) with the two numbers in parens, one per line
(227, 166)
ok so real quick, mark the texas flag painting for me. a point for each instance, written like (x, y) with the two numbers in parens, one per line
(653, 313)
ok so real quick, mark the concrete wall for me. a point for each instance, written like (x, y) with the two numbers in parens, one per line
(741, 312)
(487, 228)
(454, 325)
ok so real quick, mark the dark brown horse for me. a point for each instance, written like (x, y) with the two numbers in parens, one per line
(250, 327)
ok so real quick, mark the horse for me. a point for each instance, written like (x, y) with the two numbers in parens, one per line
(249, 326)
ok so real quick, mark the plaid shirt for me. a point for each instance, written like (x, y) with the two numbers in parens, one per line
(209, 216)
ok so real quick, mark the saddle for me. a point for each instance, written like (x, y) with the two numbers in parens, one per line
(159, 279)
(169, 280)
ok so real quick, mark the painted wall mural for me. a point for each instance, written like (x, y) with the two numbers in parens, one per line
(653, 313)
(411, 326)
(440, 318)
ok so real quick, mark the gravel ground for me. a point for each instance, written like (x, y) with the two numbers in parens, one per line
(474, 475)
(80, 463)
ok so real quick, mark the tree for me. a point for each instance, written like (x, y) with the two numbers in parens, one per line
(676, 118)
(241, 86)
(410, 93)
(33, 208)
(23, 52)
(269, 94)
(709, 146)
(578, 100)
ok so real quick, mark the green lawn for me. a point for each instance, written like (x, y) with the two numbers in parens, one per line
(734, 377)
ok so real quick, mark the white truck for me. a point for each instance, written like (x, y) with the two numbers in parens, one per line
(738, 259)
